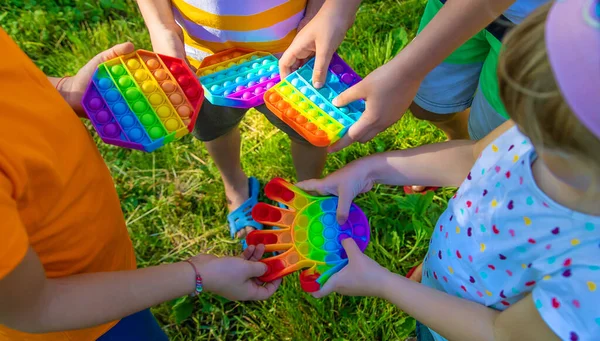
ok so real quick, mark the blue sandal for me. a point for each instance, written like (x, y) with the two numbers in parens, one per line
(242, 216)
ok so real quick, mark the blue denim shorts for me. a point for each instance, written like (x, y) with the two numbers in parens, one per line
(140, 326)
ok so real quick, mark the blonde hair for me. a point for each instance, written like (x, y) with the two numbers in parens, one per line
(533, 100)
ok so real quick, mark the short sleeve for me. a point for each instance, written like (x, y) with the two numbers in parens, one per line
(568, 299)
(13, 236)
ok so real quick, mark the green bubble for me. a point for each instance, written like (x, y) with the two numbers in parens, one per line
(139, 107)
(317, 241)
(148, 119)
(125, 82)
(155, 132)
(117, 70)
(132, 94)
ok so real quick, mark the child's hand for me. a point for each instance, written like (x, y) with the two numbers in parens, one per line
(72, 88)
(361, 277)
(388, 92)
(168, 41)
(346, 183)
(235, 278)
(321, 37)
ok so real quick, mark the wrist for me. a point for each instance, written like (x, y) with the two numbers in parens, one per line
(387, 283)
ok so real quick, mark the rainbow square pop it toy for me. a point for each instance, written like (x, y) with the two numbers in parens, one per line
(143, 100)
(238, 78)
(309, 111)
(309, 234)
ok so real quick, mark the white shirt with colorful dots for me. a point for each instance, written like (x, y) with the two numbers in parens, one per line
(502, 238)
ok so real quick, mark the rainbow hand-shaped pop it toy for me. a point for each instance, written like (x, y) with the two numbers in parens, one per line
(237, 77)
(309, 234)
(309, 111)
(143, 100)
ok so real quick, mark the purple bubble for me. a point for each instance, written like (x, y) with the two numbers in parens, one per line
(359, 230)
(259, 91)
(102, 117)
(111, 130)
(263, 79)
(270, 85)
(95, 103)
(240, 88)
(247, 95)
(347, 78)
(337, 68)
(251, 83)
(274, 75)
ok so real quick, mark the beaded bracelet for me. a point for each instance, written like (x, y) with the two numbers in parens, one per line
(199, 287)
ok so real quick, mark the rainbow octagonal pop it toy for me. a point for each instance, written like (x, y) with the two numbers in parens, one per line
(143, 100)
(309, 111)
(238, 77)
(309, 234)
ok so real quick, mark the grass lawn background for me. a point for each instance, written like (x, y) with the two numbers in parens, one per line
(173, 199)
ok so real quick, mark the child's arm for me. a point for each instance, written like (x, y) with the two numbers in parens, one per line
(450, 316)
(440, 164)
(32, 303)
(390, 89)
(165, 34)
(312, 8)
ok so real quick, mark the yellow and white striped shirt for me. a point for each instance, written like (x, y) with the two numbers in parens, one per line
(210, 26)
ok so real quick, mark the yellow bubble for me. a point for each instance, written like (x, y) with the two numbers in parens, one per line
(172, 124)
(575, 242)
(527, 221)
(482, 247)
(163, 111)
(133, 64)
(155, 99)
(591, 286)
(148, 87)
(140, 75)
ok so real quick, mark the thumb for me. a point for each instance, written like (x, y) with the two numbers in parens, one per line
(322, 60)
(327, 288)
(355, 133)
(255, 269)
(351, 248)
(117, 50)
(344, 202)
(352, 94)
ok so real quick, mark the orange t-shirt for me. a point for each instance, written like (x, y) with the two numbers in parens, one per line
(56, 193)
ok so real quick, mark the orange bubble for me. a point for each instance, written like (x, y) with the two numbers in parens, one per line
(225, 58)
(291, 112)
(160, 75)
(282, 105)
(274, 98)
(176, 99)
(310, 126)
(320, 133)
(187, 121)
(184, 111)
(152, 63)
(236, 54)
(168, 86)
(301, 119)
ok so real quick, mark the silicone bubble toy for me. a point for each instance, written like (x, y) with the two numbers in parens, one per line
(238, 78)
(309, 234)
(143, 100)
(309, 111)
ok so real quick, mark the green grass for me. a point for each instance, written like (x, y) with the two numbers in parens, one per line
(173, 198)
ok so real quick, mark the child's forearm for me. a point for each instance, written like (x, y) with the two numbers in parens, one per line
(441, 164)
(454, 24)
(88, 300)
(459, 319)
(451, 317)
(157, 14)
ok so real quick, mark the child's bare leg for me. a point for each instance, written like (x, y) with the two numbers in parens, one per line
(456, 126)
(225, 151)
(309, 160)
